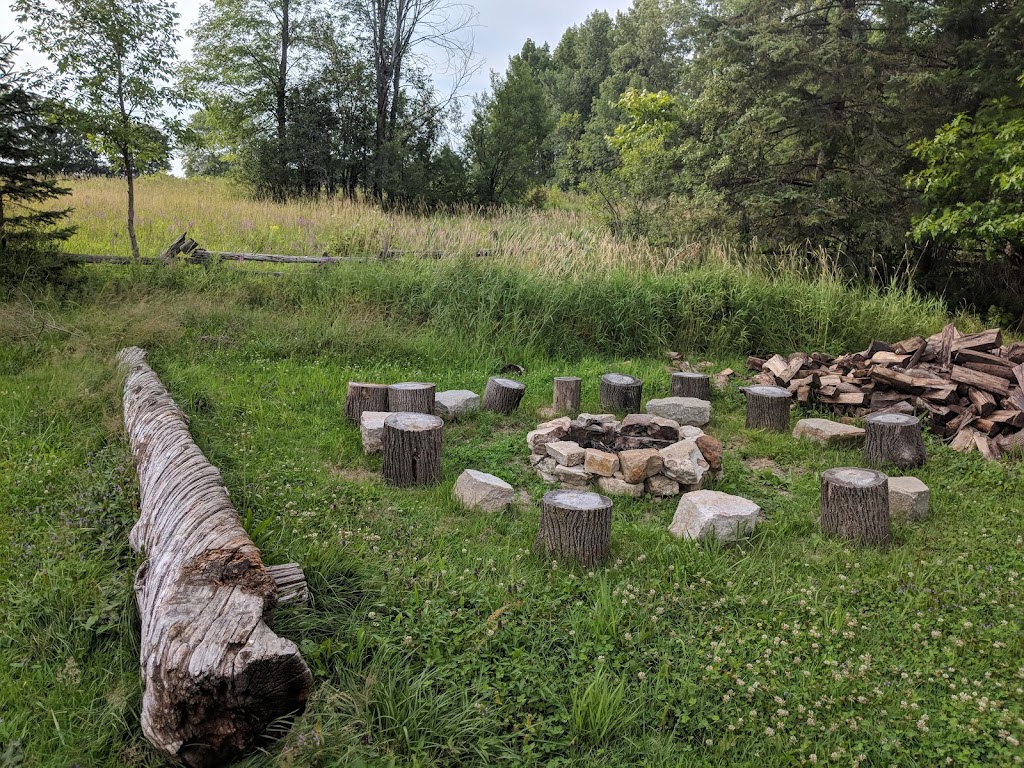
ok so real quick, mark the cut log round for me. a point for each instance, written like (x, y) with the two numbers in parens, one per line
(568, 391)
(575, 525)
(215, 674)
(621, 393)
(768, 408)
(503, 395)
(412, 449)
(364, 397)
(893, 438)
(691, 385)
(855, 505)
(411, 397)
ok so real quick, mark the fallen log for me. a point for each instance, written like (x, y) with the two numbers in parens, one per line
(215, 675)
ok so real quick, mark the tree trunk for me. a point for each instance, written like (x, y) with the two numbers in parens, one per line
(768, 408)
(129, 167)
(855, 505)
(621, 393)
(691, 385)
(568, 391)
(412, 449)
(215, 674)
(503, 395)
(411, 397)
(575, 525)
(894, 438)
(361, 397)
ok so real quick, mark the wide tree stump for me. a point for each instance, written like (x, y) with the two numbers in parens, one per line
(894, 438)
(768, 408)
(691, 385)
(215, 675)
(621, 393)
(365, 397)
(568, 392)
(412, 449)
(411, 397)
(855, 505)
(503, 395)
(575, 525)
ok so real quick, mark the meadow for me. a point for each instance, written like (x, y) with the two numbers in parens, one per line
(436, 636)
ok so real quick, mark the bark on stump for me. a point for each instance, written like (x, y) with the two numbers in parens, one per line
(855, 505)
(691, 385)
(411, 397)
(361, 397)
(768, 408)
(412, 449)
(215, 674)
(621, 393)
(568, 392)
(575, 525)
(894, 438)
(503, 395)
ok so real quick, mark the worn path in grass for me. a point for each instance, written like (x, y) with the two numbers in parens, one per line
(436, 636)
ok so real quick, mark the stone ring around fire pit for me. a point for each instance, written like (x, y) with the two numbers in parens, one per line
(640, 454)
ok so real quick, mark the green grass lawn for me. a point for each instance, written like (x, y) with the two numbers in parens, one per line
(435, 635)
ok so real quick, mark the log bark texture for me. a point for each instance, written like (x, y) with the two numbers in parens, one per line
(621, 393)
(412, 449)
(503, 395)
(568, 393)
(215, 674)
(893, 438)
(411, 397)
(365, 397)
(855, 505)
(575, 525)
(768, 408)
(290, 582)
(691, 385)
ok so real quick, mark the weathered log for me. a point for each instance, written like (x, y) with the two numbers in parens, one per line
(691, 385)
(894, 438)
(568, 392)
(290, 582)
(575, 525)
(768, 408)
(855, 505)
(411, 397)
(621, 393)
(412, 449)
(1012, 445)
(503, 395)
(215, 674)
(361, 397)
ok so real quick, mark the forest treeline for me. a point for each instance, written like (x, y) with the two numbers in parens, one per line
(889, 133)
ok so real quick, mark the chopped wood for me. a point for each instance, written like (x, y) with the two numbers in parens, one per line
(889, 358)
(946, 346)
(1018, 374)
(1015, 399)
(776, 366)
(755, 363)
(988, 447)
(877, 346)
(1015, 352)
(982, 342)
(968, 356)
(983, 402)
(911, 345)
(985, 381)
(964, 440)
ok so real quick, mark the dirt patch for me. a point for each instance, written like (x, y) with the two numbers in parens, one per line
(760, 464)
(354, 475)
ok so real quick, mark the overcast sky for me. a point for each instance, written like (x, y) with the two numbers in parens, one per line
(502, 27)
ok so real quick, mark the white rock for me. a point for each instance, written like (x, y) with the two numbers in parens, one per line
(479, 490)
(828, 432)
(566, 453)
(908, 497)
(662, 486)
(614, 486)
(711, 513)
(453, 404)
(684, 463)
(690, 433)
(688, 411)
(371, 427)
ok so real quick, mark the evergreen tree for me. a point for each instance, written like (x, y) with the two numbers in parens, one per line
(30, 235)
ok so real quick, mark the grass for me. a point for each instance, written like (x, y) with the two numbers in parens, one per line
(436, 636)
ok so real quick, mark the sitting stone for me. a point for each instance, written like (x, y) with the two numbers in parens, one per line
(371, 428)
(908, 497)
(687, 411)
(479, 490)
(704, 514)
(828, 432)
(455, 404)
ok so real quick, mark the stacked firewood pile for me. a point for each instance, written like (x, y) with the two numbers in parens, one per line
(970, 387)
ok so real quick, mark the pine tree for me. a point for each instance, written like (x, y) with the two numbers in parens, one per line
(29, 234)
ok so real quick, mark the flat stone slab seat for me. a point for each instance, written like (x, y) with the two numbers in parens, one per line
(479, 490)
(686, 411)
(909, 498)
(703, 514)
(566, 453)
(454, 404)
(371, 427)
(828, 432)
